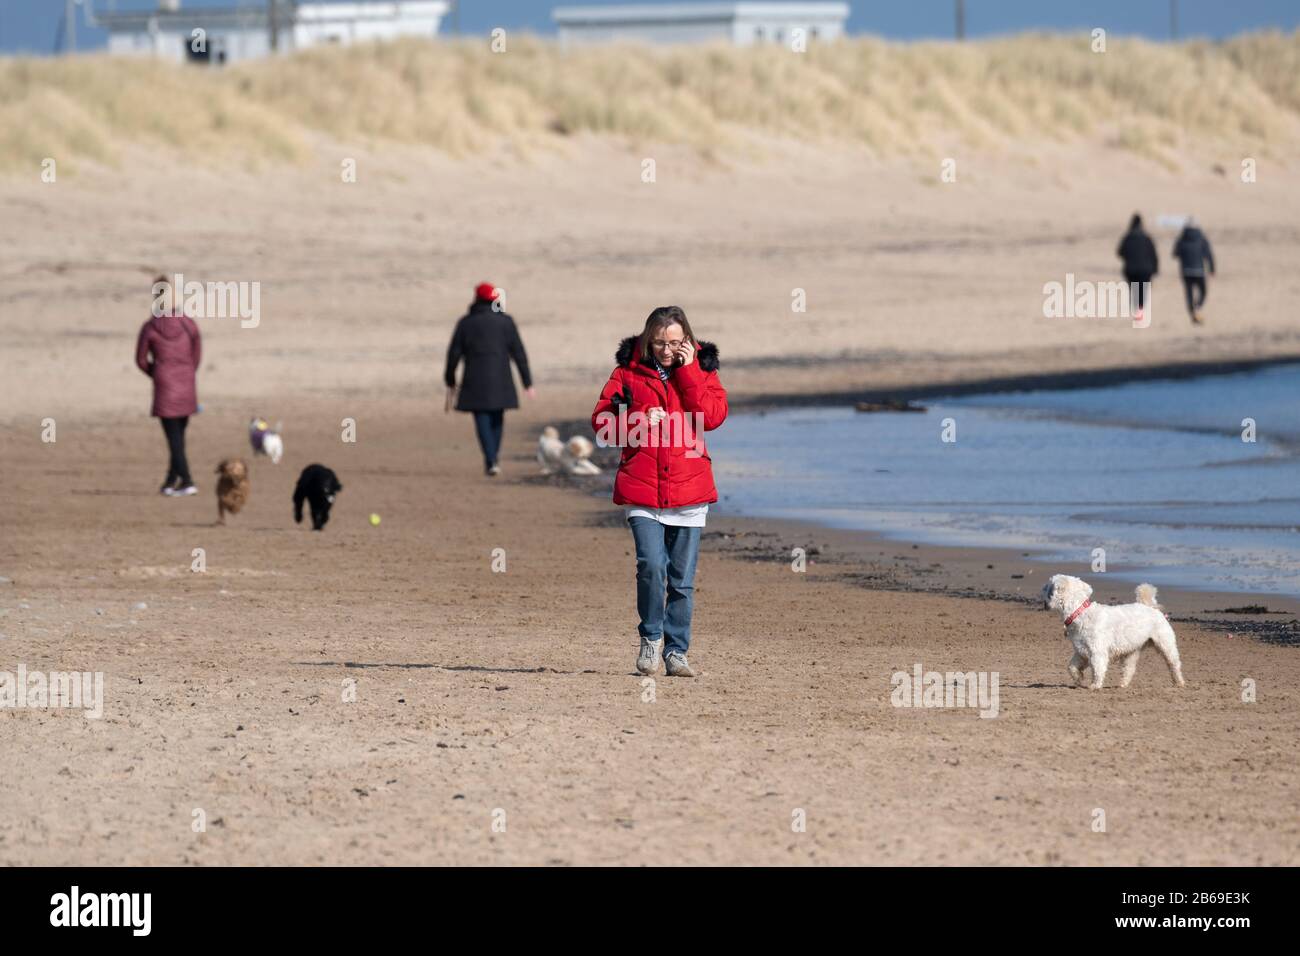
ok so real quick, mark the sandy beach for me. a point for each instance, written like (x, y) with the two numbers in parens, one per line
(378, 694)
(480, 692)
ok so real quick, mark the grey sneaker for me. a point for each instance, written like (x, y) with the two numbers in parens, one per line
(647, 662)
(677, 665)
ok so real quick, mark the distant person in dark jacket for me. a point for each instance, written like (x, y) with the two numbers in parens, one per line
(1140, 262)
(169, 351)
(487, 339)
(1193, 250)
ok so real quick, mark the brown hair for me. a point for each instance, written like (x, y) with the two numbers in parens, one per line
(662, 318)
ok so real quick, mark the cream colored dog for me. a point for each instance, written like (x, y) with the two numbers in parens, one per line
(1102, 633)
(572, 457)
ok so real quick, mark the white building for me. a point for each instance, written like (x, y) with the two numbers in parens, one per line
(738, 23)
(236, 33)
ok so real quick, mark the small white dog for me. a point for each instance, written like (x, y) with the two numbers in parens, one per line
(572, 457)
(266, 440)
(1101, 633)
(550, 450)
(577, 456)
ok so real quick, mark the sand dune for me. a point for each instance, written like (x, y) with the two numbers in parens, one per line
(461, 98)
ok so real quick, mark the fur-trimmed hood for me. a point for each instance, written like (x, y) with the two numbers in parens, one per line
(706, 354)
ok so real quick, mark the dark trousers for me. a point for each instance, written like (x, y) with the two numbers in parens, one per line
(489, 426)
(1140, 282)
(178, 471)
(1194, 284)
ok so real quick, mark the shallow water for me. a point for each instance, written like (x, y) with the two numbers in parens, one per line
(1155, 473)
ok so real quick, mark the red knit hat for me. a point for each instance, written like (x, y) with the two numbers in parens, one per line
(487, 292)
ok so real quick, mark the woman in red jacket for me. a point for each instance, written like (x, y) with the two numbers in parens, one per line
(168, 351)
(657, 403)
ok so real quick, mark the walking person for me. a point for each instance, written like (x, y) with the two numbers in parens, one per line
(169, 350)
(665, 390)
(487, 339)
(1193, 251)
(1140, 260)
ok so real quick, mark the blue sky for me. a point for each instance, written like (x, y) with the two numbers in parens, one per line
(32, 25)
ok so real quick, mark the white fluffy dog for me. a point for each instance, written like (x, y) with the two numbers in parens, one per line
(577, 456)
(1101, 633)
(550, 450)
(572, 457)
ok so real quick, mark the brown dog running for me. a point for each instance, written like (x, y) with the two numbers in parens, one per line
(232, 487)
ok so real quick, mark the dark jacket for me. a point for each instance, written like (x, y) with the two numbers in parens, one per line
(487, 341)
(1193, 250)
(169, 351)
(1139, 255)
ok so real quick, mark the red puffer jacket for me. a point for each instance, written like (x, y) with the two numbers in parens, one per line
(174, 345)
(670, 468)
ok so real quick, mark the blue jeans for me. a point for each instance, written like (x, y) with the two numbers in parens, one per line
(665, 576)
(489, 426)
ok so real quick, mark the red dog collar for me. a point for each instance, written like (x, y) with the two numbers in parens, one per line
(1081, 608)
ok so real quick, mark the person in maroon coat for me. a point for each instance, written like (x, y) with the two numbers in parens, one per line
(169, 350)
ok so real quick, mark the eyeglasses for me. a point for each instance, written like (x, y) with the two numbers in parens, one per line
(675, 344)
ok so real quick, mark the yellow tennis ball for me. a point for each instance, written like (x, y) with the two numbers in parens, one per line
(374, 520)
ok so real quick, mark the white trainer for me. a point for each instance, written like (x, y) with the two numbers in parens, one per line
(647, 662)
(677, 665)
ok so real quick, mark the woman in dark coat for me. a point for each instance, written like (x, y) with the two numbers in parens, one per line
(487, 339)
(169, 350)
(1140, 262)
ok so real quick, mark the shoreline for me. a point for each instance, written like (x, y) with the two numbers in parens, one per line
(870, 560)
(1098, 377)
(983, 571)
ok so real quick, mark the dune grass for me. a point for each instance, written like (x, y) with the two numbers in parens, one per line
(460, 98)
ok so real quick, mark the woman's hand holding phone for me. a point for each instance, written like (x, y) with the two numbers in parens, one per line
(685, 353)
